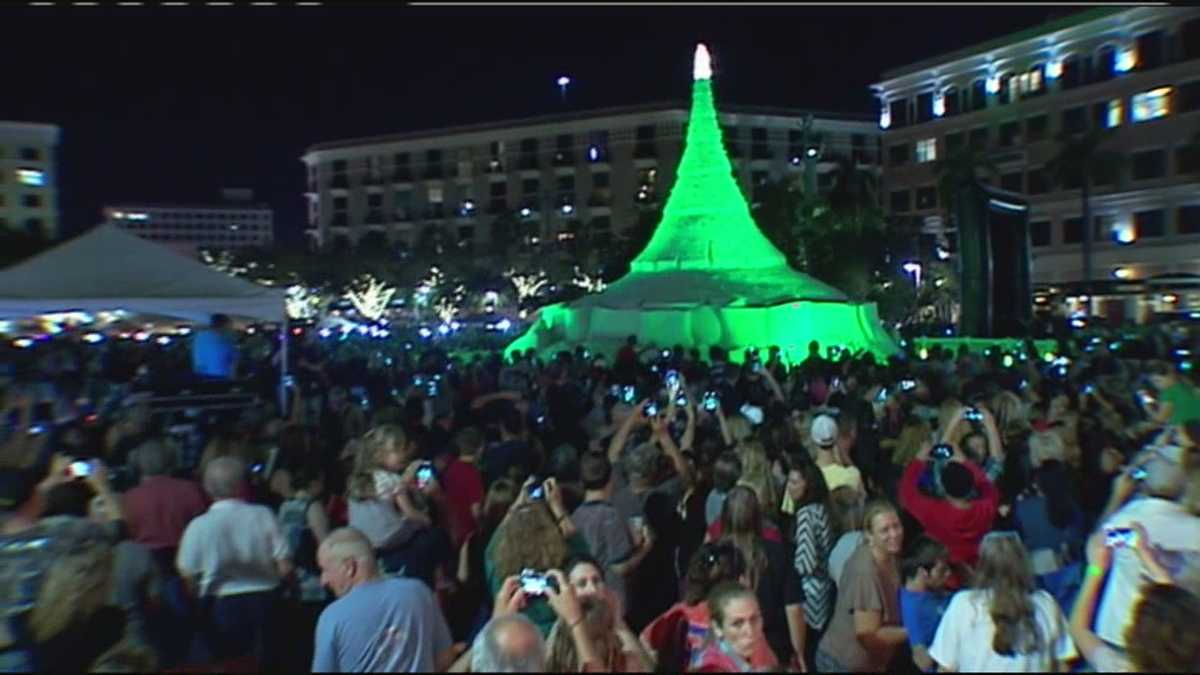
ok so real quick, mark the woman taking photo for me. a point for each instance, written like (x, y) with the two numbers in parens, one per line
(736, 632)
(1003, 623)
(536, 534)
(865, 629)
(615, 643)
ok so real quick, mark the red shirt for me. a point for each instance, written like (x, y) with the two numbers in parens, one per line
(769, 532)
(463, 484)
(160, 508)
(959, 530)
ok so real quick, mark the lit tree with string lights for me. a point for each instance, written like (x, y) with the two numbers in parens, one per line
(588, 282)
(370, 296)
(302, 302)
(528, 284)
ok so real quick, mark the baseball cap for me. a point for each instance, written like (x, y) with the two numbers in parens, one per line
(824, 431)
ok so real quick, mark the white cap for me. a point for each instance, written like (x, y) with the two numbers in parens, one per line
(824, 431)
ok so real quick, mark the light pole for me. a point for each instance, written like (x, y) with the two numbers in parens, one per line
(914, 268)
(563, 81)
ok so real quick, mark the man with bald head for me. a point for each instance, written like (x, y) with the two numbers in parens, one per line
(233, 558)
(380, 624)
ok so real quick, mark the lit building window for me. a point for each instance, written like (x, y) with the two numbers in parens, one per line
(31, 177)
(1151, 104)
(436, 194)
(927, 150)
(1116, 110)
(1054, 69)
(1127, 58)
(885, 116)
(939, 104)
(993, 84)
(1124, 233)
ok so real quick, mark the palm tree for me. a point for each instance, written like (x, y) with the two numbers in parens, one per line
(1081, 160)
(854, 185)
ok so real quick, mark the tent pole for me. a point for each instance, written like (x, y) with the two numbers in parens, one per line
(283, 369)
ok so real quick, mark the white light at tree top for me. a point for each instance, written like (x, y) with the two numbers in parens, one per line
(702, 65)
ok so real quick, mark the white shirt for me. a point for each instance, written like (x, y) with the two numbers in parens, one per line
(1168, 525)
(232, 549)
(964, 637)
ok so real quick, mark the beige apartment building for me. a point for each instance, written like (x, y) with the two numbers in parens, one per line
(553, 174)
(1133, 70)
(29, 177)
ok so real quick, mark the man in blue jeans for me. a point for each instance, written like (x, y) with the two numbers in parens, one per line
(234, 557)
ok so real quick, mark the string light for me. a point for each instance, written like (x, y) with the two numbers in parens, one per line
(370, 296)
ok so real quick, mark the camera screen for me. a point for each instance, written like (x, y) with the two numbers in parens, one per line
(942, 451)
(533, 583)
(630, 393)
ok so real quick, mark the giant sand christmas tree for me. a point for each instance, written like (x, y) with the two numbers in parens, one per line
(708, 276)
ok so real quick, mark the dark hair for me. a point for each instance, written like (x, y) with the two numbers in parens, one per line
(816, 490)
(70, 498)
(578, 559)
(1051, 480)
(468, 441)
(957, 480)
(924, 554)
(595, 470)
(1162, 637)
(727, 470)
(710, 565)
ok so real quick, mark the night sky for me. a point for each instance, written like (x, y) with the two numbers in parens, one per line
(170, 105)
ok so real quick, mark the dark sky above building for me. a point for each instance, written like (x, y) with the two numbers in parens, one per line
(171, 104)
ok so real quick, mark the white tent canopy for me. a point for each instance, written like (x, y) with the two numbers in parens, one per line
(108, 269)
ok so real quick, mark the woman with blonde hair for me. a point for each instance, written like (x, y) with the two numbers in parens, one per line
(537, 534)
(769, 573)
(865, 630)
(1004, 622)
(757, 474)
(846, 516)
(599, 620)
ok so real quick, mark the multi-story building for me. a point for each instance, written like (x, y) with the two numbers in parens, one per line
(234, 222)
(553, 175)
(1133, 70)
(29, 177)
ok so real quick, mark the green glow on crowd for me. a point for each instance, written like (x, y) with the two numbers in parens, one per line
(708, 275)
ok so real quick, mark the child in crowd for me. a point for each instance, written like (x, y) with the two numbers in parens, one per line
(923, 598)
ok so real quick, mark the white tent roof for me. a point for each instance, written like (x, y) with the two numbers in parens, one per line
(108, 269)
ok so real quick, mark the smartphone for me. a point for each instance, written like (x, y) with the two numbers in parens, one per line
(666, 353)
(1145, 397)
(942, 451)
(882, 395)
(908, 385)
(537, 490)
(710, 401)
(681, 400)
(418, 380)
(836, 383)
(615, 391)
(1089, 388)
(424, 474)
(533, 582)
(1118, 537)
(973, 415)
(650, 409)
(79, 469)
(1138, 474)
(756, 366)
(432, 389)
(671, 379)
(629, 393)
(257, 467)
(289, 381)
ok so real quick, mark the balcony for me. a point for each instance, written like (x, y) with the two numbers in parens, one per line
(528, 164)
(374, 217)
(339, 182)
(373, 183)
(434, 172)
(401, 176)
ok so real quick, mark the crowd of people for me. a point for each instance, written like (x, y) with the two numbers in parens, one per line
(656, 509)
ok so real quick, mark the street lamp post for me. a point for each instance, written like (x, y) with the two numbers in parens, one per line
(563, 81)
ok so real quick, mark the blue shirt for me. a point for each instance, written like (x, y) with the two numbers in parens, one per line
(390, 625)
(920, 613)
(213, 354)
